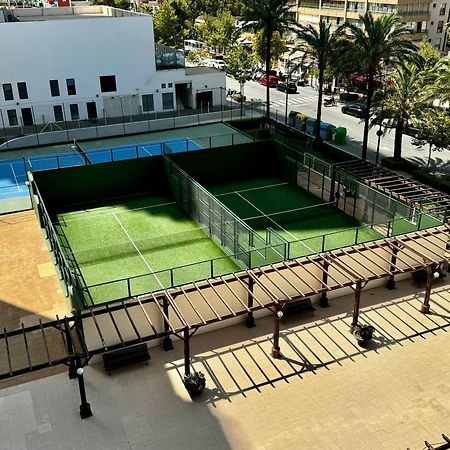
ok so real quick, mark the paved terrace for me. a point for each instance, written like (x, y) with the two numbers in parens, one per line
(325, 393)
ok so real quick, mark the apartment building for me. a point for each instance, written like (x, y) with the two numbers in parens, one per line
(92, 62)
(414, 13)
(439, 17)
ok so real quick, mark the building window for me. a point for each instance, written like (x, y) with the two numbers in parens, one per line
(167, 100)
(108, 83)
(22, 88)
(147, 103)
(71, 90)
(170, 85)
(58, 112)
(54, 88)
(74, 112)
(12, 117)
(440, 26)
(8, 92)
(434, 5)
(442, 9)
(163, 85)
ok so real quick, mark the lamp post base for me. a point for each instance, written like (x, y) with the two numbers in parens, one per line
(85, 410)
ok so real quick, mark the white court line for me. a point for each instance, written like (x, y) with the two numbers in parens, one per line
(253, 189)
(140, 254)
(15, 178)
(112, 212)
(145, 150)
(265, 215)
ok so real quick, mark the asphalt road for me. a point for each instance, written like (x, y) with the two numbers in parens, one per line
(305, 101)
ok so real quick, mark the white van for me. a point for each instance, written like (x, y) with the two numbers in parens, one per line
(218, 64)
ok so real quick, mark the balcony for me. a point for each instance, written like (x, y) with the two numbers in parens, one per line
(168, 58)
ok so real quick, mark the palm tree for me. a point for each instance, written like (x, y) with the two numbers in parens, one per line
(379, 41)
(267, 16)
(402, 102)
(318, 46)
(441, 79)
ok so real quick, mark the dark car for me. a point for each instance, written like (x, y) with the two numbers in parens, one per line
(354, 110)
(291, 88)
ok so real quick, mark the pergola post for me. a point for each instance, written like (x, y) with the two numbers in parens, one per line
(187, 356)
(332, 183)
(250, 320)
(167, 341)
(323, 298)
(72, 362)
(276, 334)
(391, 281)
(357, 289)
(431, 270)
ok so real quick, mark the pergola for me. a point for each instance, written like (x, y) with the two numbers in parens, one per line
(185, 309)
(392, 184)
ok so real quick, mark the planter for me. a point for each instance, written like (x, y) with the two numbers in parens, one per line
(195, 383)
(363, 333)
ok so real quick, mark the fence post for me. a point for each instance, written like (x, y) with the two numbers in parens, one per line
(128, 287)
(323, 242)
(212, 267)
(356, 235)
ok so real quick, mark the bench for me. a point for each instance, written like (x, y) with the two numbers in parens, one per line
(298, 305)
(125, 356)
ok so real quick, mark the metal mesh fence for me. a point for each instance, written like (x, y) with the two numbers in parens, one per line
(223, 226)
(358, 200)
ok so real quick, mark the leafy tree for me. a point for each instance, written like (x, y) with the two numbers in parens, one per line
(219, 31)
(278, 47)
(121, 4)
(433, 130)
(379, 41)
(166, 25)
(240, 67)
(318, 46)
(267, 16)
(196, 56)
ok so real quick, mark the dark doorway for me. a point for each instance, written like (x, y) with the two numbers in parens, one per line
(27, 116)
(204, 99)
(183, 96)
(91, 110)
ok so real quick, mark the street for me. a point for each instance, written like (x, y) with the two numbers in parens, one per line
(305, 101)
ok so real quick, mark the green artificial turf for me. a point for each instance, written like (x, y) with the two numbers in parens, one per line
(272, 195)
(100, 249)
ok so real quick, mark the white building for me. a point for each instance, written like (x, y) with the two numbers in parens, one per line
(86, 63)
(437, 32)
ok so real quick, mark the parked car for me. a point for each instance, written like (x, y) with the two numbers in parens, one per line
(273, 81)
(354, 110)
(218, 64)
(291, 88)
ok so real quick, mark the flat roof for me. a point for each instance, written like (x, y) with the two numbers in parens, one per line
(70, 13)
(199, 70)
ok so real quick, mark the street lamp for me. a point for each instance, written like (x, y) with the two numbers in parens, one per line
(85, 407)
(287, 92)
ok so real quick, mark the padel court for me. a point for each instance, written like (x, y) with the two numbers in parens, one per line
(136, 226)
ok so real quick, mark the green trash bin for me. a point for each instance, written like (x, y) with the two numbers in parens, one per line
(340, 135)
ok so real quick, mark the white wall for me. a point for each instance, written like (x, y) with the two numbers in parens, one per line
(86, 48)
(83, 49)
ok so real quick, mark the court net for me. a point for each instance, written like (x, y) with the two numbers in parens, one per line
(79, 149)
(127, 248)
